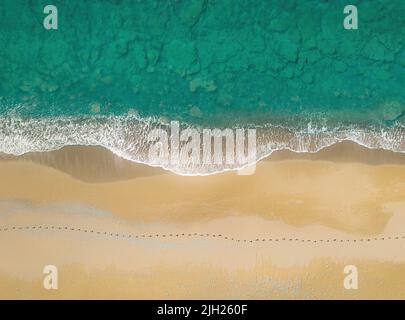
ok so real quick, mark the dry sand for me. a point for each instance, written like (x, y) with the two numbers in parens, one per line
(116, 229)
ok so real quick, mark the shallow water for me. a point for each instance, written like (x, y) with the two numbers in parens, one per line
(115, 69)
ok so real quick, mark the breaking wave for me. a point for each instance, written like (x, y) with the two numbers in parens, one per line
(127, 137)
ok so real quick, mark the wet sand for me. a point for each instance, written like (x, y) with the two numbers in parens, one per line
(116, 229)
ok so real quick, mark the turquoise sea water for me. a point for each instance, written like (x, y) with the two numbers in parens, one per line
(115, 68)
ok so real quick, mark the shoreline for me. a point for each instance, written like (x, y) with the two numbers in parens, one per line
(98, 164)
(148, 143)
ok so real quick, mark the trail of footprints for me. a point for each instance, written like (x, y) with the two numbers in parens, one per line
(195, 235)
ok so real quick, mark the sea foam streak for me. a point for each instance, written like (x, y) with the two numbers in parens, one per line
(127, 137)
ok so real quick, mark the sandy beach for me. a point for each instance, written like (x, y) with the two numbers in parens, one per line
(116, 229)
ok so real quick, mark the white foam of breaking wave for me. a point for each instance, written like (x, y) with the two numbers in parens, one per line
(127, 137)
